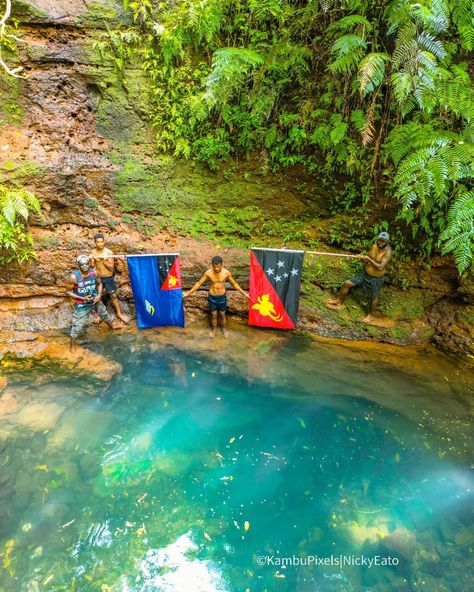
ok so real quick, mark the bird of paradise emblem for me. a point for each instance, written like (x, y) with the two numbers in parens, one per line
(149, 307)
(267, 309)
(172, 281)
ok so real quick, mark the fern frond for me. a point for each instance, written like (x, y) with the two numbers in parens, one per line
(349, 23)
(458, 237)
(463, 18)
(367, 132)
(432, 45)
(396, 13)
(348, 51)
(326, 5)
(371, 72)
(405, 44)
(339, 129)
(402, 86)
(230, 67)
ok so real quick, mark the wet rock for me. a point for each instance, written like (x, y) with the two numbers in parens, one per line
(34, 314)
(464, 537)
(453, 322)
(54, 510)
(3, 384)
(54, 356)
(39, 416)
(449, 530)
(83, 427)
(8, 403)
(401, 542)
(466, 288)
(89, 466)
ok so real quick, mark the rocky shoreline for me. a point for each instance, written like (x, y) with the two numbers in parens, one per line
(78, 136)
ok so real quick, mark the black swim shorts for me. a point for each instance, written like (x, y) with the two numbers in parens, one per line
(370, 285)
(217, 302)
(109, 284)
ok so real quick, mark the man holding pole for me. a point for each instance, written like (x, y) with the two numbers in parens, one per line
(371, 279)
(102, 259)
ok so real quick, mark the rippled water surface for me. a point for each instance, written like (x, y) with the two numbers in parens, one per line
(206, 467)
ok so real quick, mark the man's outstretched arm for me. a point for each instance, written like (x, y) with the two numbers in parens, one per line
(380, 266)
(236, 286)
(196, 286)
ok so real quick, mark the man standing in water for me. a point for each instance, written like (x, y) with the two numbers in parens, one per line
(102, 261)
(84, 288)
(371, 279)
(217, 276)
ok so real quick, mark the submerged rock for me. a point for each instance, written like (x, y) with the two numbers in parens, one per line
(3, 383)
(401, 542)
(56, 362)
(39, 416)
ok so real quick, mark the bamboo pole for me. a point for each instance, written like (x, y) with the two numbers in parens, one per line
(332, 254)
(120, 256)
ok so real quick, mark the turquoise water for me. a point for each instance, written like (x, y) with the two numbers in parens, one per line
(196, 463)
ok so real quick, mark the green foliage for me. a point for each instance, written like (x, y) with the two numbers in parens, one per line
(458, 237)
(380, 92)
(16, 243)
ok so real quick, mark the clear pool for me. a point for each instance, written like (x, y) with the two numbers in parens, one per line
(254, 464)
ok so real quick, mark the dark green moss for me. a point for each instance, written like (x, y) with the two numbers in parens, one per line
(11, 112)
(100, 15)
(13, 172)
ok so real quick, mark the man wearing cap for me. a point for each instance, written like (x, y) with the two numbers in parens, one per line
(84, 288)
(371, 279)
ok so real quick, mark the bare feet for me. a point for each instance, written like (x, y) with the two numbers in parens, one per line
(124, 318)
(225, 333)
(335, 304)
(212, 333)
(366, 319)
(96, 320)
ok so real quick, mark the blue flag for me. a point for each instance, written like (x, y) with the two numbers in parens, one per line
(157, 290)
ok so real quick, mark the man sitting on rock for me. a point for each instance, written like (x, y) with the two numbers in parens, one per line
(103, 262)
(84, 288)
(371, 279)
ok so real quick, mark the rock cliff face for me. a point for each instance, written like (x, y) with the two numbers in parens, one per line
(78, 136)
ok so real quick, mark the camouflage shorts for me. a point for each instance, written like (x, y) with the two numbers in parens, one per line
(80, 317)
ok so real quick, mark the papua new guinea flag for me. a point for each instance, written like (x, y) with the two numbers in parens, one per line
(275, 278)
(157, 291)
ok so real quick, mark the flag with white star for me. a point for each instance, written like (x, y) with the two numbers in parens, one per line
(275, 279)
(157, 290)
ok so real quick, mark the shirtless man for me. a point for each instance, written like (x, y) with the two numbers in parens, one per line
(371, 279)
(217, 276)
(103, 263)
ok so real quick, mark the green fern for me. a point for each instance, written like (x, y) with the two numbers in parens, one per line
(458, 237)
(349, 23)
(463, 17)
(371, 72)
(347, 51)
(16, 204)
(230, 68)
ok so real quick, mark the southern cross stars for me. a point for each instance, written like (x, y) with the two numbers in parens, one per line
(278, 278)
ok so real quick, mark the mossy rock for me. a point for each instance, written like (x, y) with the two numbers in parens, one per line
(100, 15)
(121, 109)
(26, 11)
(11, 111)
(13, 172)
